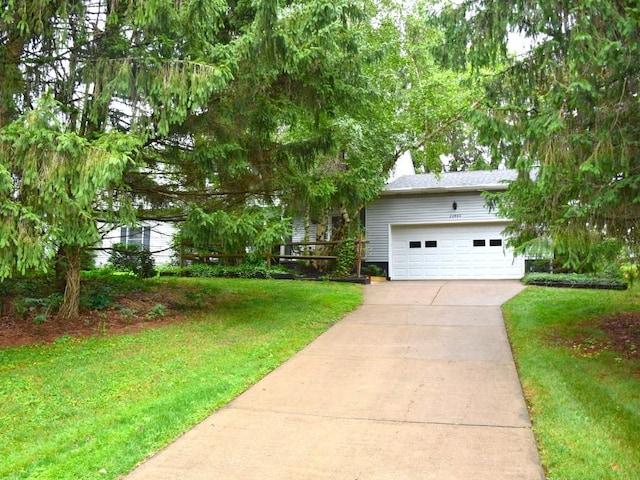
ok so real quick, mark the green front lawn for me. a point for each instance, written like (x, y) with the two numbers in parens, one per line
(584, 393)
(94, 407)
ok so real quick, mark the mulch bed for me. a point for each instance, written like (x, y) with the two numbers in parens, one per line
(131, 314)
(621, 335)
(623, 332)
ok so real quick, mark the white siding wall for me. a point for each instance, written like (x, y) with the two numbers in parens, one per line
(420, 210)
(160, 243)
(298, 230)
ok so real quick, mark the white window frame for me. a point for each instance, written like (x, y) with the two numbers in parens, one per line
(136, 236)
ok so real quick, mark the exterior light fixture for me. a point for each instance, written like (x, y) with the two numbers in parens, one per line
(454, 206)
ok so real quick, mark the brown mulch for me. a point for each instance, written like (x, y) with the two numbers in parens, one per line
(619, 333)
(131, 313)
(623, 332)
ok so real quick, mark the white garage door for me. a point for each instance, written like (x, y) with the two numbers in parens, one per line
(452, 251)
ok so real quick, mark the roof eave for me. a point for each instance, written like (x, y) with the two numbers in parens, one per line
(435, 190)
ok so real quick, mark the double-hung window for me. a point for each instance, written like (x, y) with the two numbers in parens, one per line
(136, 236)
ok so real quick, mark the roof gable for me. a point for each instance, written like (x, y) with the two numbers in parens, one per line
(481, 180)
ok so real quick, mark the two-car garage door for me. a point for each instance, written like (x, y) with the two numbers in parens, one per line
(474, 251)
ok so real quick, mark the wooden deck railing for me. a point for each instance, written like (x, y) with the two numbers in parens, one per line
(307, 254)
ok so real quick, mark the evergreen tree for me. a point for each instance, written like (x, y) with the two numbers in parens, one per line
(567, 109)
(85, 86)
(190, 111)
(303, 124)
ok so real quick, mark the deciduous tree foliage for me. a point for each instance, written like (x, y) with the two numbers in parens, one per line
(437, 104)
(567, 109)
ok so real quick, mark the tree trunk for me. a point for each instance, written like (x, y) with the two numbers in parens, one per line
(60, 269)
(70, 308)
(307, 230)
(10, 52)
(321, 234)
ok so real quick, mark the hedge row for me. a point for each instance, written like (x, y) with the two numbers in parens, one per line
(573, 280)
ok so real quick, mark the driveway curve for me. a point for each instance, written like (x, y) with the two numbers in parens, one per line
(418, 383)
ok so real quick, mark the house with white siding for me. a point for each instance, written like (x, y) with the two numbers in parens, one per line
(157, 237)
(430, 226)
(422, 226)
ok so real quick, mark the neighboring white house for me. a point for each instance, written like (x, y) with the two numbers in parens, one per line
(157, 237)
(439, 227)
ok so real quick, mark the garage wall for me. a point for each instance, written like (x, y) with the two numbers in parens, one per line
(420, 210)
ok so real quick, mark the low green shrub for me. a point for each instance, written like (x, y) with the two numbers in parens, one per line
(158, 310)
(373, 271)
(97, 300)
(233, 271)
(39, 307)
(25, 305)
(100, 287)
(132, 258)
(630, 272)
(126, 312)
(120, 282)
(25, 286)
(573, 280)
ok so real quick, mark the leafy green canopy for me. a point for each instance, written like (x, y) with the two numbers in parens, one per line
(567, 108)
(437, 105)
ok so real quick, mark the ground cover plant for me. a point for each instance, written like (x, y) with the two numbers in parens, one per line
(94, 406)
(244, 270)
(578, 360)
(574, 280)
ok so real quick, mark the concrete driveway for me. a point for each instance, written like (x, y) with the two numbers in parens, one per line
(418, 383)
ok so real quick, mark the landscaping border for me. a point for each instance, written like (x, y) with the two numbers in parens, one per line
(594, 286)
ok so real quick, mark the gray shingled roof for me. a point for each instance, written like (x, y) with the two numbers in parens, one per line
(451, 181)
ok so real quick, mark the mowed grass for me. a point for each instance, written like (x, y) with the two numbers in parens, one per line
(95, 407)
(585, 402)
